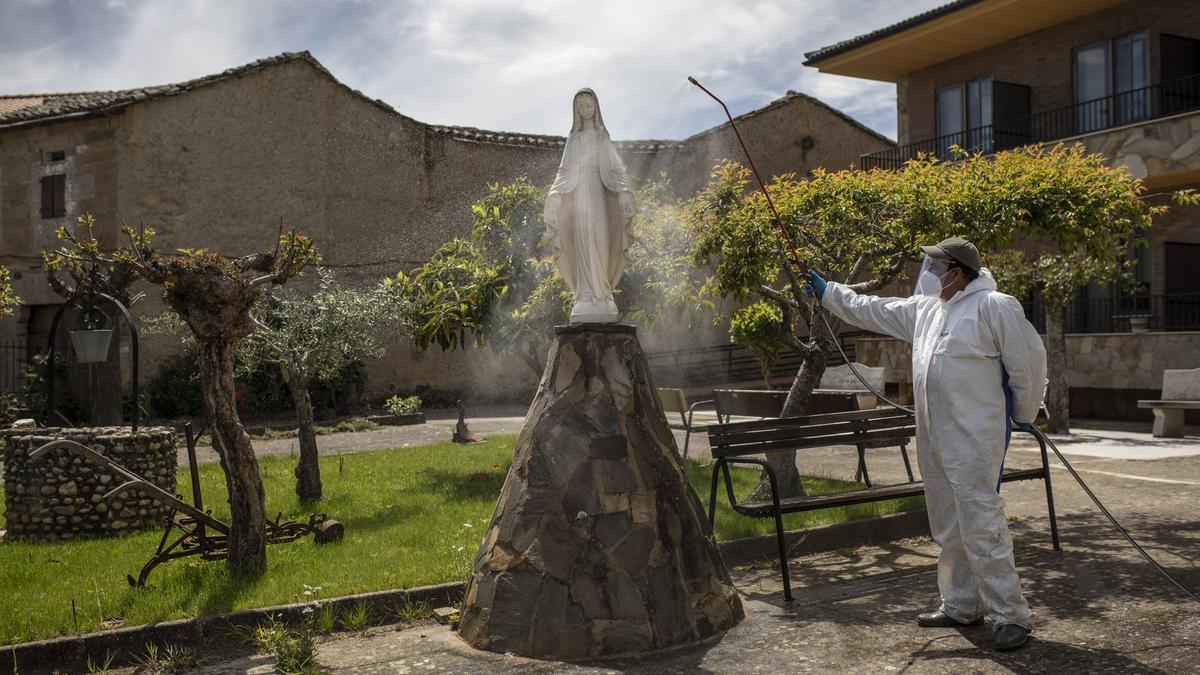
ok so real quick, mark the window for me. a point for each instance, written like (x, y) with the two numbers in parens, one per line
(1110, 83)
(54, 196)
(56, 155)
(964, 116)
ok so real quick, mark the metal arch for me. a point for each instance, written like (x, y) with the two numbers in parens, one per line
(50, 352)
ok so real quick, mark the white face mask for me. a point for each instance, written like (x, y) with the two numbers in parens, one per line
(930, 278)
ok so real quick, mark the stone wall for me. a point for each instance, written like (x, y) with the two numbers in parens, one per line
(1108, 372)
(60, 496)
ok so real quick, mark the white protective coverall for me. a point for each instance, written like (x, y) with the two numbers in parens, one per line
(961, 349)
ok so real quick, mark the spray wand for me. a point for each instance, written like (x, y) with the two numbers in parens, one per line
(1037, 433)
(787, 236)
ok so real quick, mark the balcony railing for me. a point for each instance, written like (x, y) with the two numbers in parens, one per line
(1147, 103)
(1170, 312)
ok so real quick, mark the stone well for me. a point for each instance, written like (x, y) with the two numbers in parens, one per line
(60, 496)
(598, 545)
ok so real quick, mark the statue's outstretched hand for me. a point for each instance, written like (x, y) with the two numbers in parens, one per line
(627, 205)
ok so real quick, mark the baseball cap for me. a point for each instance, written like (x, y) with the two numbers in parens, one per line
(955, 249)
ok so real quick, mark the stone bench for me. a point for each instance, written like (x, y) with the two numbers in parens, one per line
(1180, 392)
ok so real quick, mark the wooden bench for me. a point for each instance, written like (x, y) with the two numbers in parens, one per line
(769, 404)
(741, 443)
(1180, 392)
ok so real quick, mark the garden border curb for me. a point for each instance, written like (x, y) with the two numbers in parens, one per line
(219, 630)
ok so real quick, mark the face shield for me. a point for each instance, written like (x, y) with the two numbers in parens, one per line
(930, 278)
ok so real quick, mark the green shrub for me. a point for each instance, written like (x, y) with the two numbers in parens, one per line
(174, 390)
(403, 406)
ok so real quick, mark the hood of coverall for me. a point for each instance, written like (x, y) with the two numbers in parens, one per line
(985, 282)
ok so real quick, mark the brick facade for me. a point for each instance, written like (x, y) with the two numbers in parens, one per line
(1043, 60)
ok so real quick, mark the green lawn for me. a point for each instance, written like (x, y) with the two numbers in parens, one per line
(413, 516)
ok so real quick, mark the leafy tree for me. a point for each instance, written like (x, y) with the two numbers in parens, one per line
(862, 228)
(214, 295)
(759, 328)
(8, 299)
(312, 337)
(499, 287)
(1086, 218)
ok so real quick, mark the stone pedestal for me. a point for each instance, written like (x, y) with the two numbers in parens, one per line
(598, 545)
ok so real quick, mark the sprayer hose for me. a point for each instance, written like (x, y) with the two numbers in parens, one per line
(1041, 437)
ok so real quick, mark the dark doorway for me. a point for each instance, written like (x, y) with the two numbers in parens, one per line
(1180, 73)
(1181, 286)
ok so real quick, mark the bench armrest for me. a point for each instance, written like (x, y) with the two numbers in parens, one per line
(692, 410)
(723, 464)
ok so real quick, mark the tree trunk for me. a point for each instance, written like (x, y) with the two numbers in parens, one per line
(308, 469)
(766, 371)
(247, 533)
(1058, 391)
(784, 462)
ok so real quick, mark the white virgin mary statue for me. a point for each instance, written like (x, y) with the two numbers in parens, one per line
(589, 214)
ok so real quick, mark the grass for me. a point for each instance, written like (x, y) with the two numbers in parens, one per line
(413, 516)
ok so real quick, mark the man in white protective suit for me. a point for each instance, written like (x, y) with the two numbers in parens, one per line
(976, 362)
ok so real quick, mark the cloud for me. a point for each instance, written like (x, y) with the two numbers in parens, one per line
(512, 66)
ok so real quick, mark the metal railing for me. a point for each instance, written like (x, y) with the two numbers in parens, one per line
(13, 358)
(727, 364)
(1170, 312)
(1147, 103)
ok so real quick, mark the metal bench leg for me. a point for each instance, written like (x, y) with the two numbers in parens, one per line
(1050, 497)
(862, 466)
(783, 561)
(712, 497)
(907, 464)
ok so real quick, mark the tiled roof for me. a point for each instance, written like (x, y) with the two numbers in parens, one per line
(24, 109)
(855, 42)
(30, 107)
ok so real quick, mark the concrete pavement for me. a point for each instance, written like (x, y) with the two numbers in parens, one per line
(1098, 606)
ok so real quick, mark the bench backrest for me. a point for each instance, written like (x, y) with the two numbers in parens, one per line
(749, 402)
(877, 426)
(672, 400)
(768, 403)
(1181, 385)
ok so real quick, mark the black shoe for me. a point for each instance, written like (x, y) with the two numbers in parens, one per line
(1011, 636)
(939, 619)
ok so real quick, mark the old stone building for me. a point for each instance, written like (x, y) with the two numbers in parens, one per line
(219, 162)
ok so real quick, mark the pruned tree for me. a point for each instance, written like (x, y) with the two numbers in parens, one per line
(77, 270)
(311, 337)
(499, 288)
(214, 296)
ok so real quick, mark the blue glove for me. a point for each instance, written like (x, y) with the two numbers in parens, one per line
(815, 284)
(1027, 427)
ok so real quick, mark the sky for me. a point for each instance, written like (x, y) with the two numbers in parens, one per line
(509, 65)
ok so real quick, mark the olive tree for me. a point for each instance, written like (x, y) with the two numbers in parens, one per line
(214, 296)
(311, 336)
